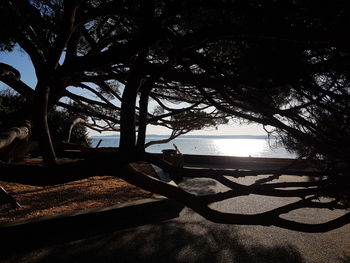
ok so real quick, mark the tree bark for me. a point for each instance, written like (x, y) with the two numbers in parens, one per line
(41, 125)
(127, 116)
(141, 134)
(128, 106)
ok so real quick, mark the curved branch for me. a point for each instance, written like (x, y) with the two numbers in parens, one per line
(266, 218)
(87, 112)
(174, 134)
(9, 136)
(78, 98)
(19, 86)
(116, 163)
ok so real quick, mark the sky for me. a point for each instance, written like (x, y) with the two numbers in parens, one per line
(20, 60)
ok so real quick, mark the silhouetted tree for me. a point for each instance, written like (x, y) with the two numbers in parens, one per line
(98, 43)
(283, 64)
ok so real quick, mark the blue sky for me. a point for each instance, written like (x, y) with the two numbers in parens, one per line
(20, 60)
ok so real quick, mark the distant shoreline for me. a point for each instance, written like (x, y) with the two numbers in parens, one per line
(230, 145)
(197, 136)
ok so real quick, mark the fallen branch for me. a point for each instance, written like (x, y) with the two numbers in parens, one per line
(115, 164)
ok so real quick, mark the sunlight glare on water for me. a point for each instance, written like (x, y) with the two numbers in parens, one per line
(207, 145)
(240, 147)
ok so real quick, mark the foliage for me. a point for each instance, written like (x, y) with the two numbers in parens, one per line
(283, 64)
(195, 120)
(59, 120)
(278, 63)
(6, 40)
(10, 103)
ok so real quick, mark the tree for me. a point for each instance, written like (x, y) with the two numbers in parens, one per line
(60, 122)
(298, 62)
(278, 63)
(98, 46)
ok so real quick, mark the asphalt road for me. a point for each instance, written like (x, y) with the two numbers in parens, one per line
(190, 238)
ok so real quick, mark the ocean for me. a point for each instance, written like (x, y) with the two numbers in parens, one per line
(235, 145)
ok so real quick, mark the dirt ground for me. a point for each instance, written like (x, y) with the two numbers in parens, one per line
(99, 191)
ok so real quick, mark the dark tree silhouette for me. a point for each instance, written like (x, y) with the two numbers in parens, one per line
(99, 47)
(283, 64)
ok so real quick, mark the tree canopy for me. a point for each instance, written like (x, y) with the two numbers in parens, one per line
(283, 64)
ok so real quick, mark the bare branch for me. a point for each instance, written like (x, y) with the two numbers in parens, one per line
(266, 218)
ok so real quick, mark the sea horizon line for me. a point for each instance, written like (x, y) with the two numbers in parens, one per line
(242, 136)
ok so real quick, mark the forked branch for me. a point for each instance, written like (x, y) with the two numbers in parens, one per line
(268, 218)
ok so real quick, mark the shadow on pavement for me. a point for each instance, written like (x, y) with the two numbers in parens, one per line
(64, 228)
(166, 242)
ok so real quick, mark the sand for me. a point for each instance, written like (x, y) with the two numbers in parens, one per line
(99, 191)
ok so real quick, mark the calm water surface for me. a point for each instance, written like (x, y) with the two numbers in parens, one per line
(211, 145)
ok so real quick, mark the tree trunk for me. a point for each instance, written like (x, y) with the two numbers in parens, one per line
(141, 134)
(41, 125)
(127, 114)
(127, 117)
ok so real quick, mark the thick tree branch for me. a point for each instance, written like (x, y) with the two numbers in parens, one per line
(266, 218)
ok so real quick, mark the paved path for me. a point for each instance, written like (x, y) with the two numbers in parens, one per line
(190, 238)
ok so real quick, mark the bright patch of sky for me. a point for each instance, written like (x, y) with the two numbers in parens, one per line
(228, 129)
